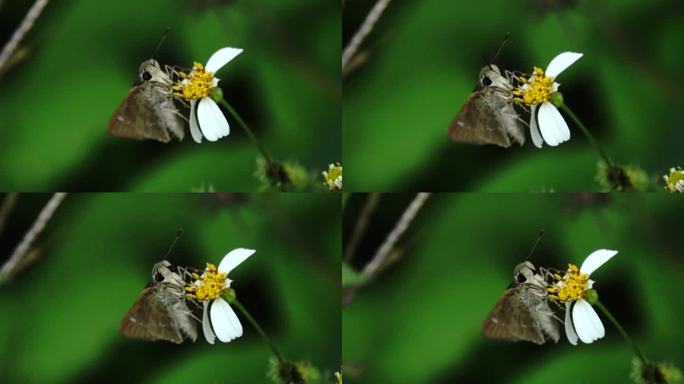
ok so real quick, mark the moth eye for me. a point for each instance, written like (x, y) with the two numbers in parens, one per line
(520, 278)
(486, 81)
(158, 277)
(146, 76)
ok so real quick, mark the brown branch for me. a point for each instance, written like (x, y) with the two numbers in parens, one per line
(21, 251)
(21, 31)
(363, 32)
(7, 205)
(361, 224)
(394, 236)
(382, 256)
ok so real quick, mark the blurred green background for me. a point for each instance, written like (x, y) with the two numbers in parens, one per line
(82, 57)
(419, 321)
(60, 316)
(422, 61)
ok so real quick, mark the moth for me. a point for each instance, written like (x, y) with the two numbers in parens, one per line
(488, 116)
(161, 312)
(148, 110)
(522, 313)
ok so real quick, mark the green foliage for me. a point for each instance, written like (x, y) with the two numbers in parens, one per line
(84, 57)
(419, 321)
(422, 63)
(61, 315)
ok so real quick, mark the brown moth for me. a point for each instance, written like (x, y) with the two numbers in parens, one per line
(488, 116)
(522, 313)
(148, 111)
(161, 313)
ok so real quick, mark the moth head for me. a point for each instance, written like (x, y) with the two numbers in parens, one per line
(490, 76)
(162, 273)
(150, 70)
(524, 272)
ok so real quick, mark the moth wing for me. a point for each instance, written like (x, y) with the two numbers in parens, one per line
(513, 319)
(149, 319)
(137, 118)
(547, 321)
(477, 123)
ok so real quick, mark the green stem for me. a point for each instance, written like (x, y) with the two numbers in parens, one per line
(247, 130)
(602, 153)
(263, 334)
(622, 331)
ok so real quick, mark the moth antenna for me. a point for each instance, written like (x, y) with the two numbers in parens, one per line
(503, 43)
(539, 236)
(487, 62)
(178, 233)
(163, 38)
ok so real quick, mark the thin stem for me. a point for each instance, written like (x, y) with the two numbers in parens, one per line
(602, 153)
(8, 204)
(363, 31)
(622, 331)
(361, 223)
(247, 130)
(20, 32)
(21, 251)
(394, 236)
(271, 344)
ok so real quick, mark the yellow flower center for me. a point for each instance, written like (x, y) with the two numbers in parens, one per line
(535, 90)
(570, 287)
(194, 85)
(209, 286)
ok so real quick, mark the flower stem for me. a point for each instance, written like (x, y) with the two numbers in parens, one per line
(622, 331)
(247, 130)
(602, 153)
(263, 334)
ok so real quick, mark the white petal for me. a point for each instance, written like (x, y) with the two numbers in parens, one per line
(221, 58)
(587, 323)
(596, 259)
(194, 125)
(547, 126)
(534, 129)
(561, 62)
(582, 324)
(563, 130)
(206, 326)
(211, 120)
(569, 328)
(224, 320)
(552, 125)
(234, 258)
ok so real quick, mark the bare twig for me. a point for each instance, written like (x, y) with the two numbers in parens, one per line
(398, 230)
(363, 31)
(7, 205)
(21, 251)
(21, 31)
(361, 224)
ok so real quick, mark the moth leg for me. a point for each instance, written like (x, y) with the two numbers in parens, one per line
(173, 71)
(183, 102)
(182, 116)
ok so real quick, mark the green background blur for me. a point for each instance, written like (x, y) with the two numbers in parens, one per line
(423, 59)
(419, 321)
(60, 316)
(84, 57)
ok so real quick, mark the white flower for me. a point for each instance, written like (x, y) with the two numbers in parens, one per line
(206, 119)
(332, 177)
(218, 318)
(674, 181)
(536, 92)
(581, 320)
